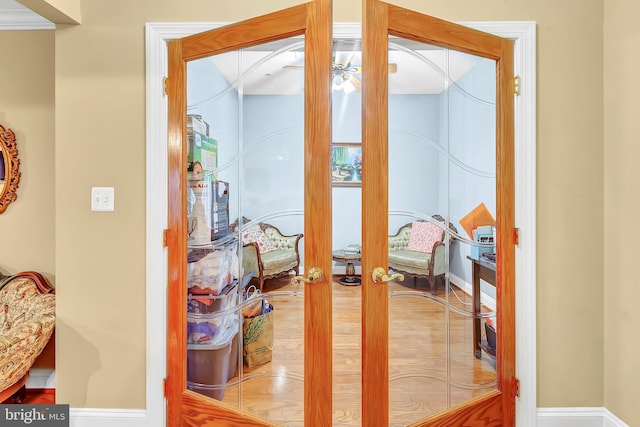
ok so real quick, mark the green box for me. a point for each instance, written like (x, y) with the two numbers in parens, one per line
(204, 150)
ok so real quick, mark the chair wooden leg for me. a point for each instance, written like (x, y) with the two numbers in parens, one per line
(432, 285)
(20, 395)
(261, 283)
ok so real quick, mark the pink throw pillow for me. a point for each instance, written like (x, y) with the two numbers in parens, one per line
(255, 234)
(423, 236)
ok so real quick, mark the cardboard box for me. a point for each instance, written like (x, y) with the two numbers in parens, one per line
(203, 150)
(196, 124)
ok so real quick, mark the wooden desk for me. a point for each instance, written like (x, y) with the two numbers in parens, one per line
(486, 271)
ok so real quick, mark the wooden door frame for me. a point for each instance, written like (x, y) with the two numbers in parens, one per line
(159, 33)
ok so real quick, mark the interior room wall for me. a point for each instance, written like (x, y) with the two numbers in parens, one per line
(100, 140)
(621, 128)
(27, 89)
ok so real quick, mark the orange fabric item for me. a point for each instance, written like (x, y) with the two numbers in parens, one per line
(480, 215)
(205, 301)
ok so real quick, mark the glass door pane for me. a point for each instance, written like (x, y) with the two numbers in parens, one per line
(442, 176)
(346, 171)
(245, 222)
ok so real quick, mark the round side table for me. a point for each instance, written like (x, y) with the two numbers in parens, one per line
(350, 279)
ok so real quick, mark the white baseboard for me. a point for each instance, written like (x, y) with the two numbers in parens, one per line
(88, 417)
(41, 378)
(485, 299)
(546, 417)
(577, 417)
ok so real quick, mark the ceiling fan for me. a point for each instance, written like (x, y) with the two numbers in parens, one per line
(344, 73)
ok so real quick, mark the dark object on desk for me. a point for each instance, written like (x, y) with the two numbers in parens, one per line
(486, 271)
(488, 257)
(490, 345)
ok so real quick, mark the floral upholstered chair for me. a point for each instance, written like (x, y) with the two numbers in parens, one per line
(268, 253)
(418, 250)
(27, 320)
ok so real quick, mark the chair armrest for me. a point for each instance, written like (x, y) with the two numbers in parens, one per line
(251, 260)
(438, 261)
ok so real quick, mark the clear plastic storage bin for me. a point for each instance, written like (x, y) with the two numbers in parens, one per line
(204, 304)
(209, 366)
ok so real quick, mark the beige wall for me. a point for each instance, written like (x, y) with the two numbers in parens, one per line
(100, 141)
(27, 107)
(622, 202)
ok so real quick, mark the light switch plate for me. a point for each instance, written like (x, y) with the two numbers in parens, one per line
(102, 199)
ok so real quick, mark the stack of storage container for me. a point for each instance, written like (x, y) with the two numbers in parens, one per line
(220, 210)
(212, 319)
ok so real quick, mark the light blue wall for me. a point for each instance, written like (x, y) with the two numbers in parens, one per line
(210, 95)
(438, 146)
(468, 133)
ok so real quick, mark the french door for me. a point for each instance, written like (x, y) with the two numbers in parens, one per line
(223, 154)
(434, 161)
(234, 138)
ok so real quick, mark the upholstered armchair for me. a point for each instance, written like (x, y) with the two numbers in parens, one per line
(419, 252)
(27, 320)
(268, 253)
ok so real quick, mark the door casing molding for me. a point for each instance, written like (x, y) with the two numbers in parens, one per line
(523, 33)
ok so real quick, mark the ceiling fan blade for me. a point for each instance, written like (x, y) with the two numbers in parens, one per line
(342, 58)
(356, 83)
(393, 68)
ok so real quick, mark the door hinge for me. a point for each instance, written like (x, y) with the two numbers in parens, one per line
(516, 85)
(164, 237)
(164, 387)
(164, 83)
(516, 236)
(516, 387)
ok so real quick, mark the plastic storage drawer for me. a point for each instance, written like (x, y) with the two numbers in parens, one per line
(203, 304)
(208, 366)
(207, 328)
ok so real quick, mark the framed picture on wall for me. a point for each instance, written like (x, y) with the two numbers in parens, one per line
(346, 164)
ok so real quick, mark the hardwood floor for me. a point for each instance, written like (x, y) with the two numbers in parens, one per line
(44, 396)
(426, 376)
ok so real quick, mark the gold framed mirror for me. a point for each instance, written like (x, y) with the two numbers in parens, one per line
(9, 168)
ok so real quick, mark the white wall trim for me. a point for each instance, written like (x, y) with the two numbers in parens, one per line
(524, 36)
(466, 287)
(546, 417)
(41, 378)
(578, 417)
(23, 19)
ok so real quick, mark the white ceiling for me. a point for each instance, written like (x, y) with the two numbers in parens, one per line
(266, 70)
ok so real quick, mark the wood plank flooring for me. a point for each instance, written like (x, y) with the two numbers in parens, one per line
(37, 396)
(426, 376)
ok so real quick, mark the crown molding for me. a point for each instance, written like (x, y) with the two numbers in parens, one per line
(23, 19)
